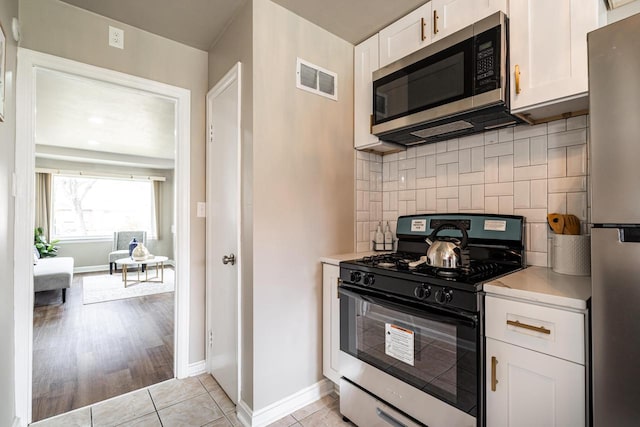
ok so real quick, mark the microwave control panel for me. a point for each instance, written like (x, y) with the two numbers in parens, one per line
(487, 61)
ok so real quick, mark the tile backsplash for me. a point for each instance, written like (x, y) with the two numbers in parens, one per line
(523, 170)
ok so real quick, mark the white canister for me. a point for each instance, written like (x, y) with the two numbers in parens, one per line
(571, 254)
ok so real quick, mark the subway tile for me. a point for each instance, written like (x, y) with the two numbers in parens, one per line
(453, 145)
(362, 216)
(563, 185)
(570, 137)
(538, 150)
(471, 141)
(521, 152)
(406, 195)
(471, 178)
(577, 160)
(402, 207)
(441, 175)
(577, 204)
(360, 205)
(557, 203)
(505, 134)
(363, 246)
(375, 166)
(421, 167)
(505, 168)
(362, 155)
(441, 206)
(389, 216)
(490, 137)
(425, 150)
(391, 186)
(538, 189)
(464, 165)
(441, 147)
(538, 237)
(447, 192)
(375, 196)
(557, 126)
(557, 163)
(360, 169)
(362, 185)
(492, 204)
(505, 205)
(402, 155)
(391, 157)
(452, 174)
(491, 173)
(411, 207)
(500, 149)
(578, 122)
(407, 164)
(528, 131)
(362, 233)
(393, 201)
(521, 195)
(393, 171)
(532, 215)
(464, 196)
(386, 200)
(426, 182)
(448, 157)
(385, 171)
(421, 200)
(477, 159)
(477, 196)
(501, 189)
(411, 152)
(432, 201)
(530, 172)
(411, 179)
(452, 205)
(431, 166)
(538, 259)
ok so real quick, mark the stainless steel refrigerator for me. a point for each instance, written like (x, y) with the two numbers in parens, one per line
(614, 98)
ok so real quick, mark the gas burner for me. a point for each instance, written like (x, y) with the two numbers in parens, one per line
(386, 264)
(448, 273)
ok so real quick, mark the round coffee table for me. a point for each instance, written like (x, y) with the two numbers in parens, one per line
(158, 261)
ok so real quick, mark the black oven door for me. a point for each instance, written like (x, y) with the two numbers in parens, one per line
(430, 349)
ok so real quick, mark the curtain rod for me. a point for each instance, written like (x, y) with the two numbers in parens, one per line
(100, 174)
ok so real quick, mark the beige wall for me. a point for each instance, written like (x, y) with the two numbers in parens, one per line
(96, 253)
(235, 45)
(8, 10)
(59, 29)
(303, 196)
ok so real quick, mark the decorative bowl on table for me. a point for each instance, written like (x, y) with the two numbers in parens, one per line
(140, 253)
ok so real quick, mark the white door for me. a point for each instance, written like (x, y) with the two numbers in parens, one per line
(223, 232)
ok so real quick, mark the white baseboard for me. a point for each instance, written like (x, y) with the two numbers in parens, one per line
(16, 422)
(197, 368)
(91, 268)
(283, 407)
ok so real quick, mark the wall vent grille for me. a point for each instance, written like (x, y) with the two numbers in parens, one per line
(316, 80)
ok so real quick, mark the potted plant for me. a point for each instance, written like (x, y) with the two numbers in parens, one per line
(40, 242)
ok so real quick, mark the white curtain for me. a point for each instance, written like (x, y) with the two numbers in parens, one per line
(157, 208)
(43, 203)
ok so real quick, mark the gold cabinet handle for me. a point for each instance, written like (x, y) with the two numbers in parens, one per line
(423, 24)
(540, 329)
(435, 22)
(494, 380)
(517, 76)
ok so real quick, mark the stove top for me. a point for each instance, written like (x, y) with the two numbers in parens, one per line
(495, 248)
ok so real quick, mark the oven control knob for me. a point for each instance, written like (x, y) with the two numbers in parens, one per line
(355, 276)
(444, 296)
(369, 279)
(422, 291)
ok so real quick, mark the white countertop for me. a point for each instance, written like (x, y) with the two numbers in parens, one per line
(539, 284)
(335, 259)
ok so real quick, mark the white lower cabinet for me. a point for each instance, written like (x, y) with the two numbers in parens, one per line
(534, 364)
(532, 389)
(330, 322)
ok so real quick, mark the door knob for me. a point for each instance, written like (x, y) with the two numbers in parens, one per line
(229, 259)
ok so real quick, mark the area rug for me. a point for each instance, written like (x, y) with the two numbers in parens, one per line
(106, 287)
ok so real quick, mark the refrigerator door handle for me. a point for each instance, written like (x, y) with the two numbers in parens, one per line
(629, 234)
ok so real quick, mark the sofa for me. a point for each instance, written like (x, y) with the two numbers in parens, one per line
(53, 273)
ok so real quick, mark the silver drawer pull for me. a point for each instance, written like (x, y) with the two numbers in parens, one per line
(540, 329)
(389, 419)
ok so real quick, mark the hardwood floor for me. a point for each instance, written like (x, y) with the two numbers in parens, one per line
(84, 354)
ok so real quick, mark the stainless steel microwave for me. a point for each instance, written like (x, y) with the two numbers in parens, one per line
(453, 87)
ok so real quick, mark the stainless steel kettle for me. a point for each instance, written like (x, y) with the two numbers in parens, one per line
(445, 251)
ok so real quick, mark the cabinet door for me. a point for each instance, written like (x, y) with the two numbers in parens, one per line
(449, 16)
(484, 8)
(532, 389)
(406, 35)
(330, 322)
(365, 63)
(549, 47)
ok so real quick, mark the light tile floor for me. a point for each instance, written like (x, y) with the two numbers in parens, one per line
(197, 401)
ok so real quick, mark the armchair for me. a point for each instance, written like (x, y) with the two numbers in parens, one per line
(121, 241)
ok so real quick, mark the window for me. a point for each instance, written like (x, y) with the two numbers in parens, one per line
(84, 207)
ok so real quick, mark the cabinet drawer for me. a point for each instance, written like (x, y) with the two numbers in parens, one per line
(548, 330)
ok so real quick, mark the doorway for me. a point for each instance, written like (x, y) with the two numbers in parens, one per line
(29, 63)
(224, 232)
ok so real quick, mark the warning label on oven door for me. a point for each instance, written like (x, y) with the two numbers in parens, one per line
(399, 343)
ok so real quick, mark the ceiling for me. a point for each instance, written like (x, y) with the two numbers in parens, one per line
(199, 23)
(77, 118)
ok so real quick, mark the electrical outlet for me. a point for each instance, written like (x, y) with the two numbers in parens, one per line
(116, 37)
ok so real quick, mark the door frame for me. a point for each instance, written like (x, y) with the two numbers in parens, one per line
(24, 180)
(233, 75)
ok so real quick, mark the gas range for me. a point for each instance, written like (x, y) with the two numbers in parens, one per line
(495, 248)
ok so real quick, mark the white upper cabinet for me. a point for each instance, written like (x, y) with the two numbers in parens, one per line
(449, 16)
(406, 35)
(548, 48)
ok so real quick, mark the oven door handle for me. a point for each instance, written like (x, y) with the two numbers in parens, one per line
(425, 313)
(389, 419)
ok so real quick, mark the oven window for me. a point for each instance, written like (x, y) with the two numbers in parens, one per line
(436, 80)
(433, 355)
